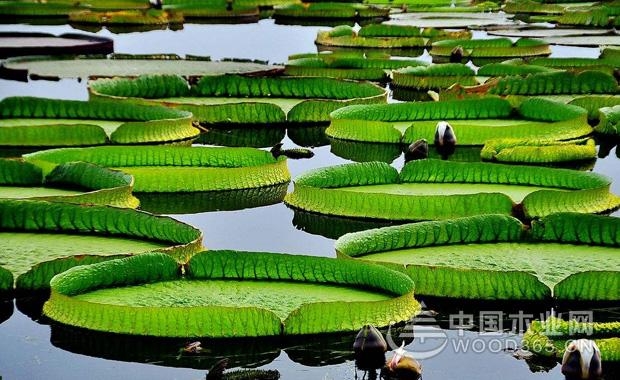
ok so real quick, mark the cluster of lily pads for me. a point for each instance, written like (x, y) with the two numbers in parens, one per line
(471, 230)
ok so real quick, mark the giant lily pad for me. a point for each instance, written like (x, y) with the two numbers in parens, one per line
(126, 17)
(230, 294)
(75, 182)
(39, 122)
(434, 77)
(384, 36)
(216, 9)
(178, 169)
(434, 189)
(22, 44)
(538, 151)
(45, 238)
(355, 66)
(568, 256)
(21, 68)
(474, 121)
(329, 10)
(227, 99)
(494, 48)
(467, 20)
(549, 337)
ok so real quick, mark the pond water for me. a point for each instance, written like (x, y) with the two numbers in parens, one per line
(31, 348)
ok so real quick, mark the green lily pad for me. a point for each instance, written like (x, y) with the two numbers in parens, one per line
(495, 257)
(354, 66)
(216, 9)
(434, 77)
(123, 65)
(126, 17)
(609, 117)
(75, 182)
(44, 238)
(546, 33)
(474, 121)
(492, 48)
(178, 169)
(233, 294)
(329, 10)
(536, 151)
(434, 189)
(384, 36)
(449, 20)
(40, 122)
(549, 337)
(236, 99)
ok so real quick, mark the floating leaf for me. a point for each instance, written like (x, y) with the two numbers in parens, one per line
(225, 99)
(494, 257)
(423, 192)
(537, 151)
(322, 295)
(493, 47)
(123, 65)
(474, 121)
(608, 117)
(170, 169)
(27, 121)
(74, 182)
(58, 233)
(549, 337)
(434, 77)
(330, 11)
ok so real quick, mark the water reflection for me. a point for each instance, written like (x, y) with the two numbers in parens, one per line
(308, 135)
(6, 308)
(310, 350)
(333, 227)
(256, 137)
(196, 202)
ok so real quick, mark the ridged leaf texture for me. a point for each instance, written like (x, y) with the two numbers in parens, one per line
(29, 107)
(474, 229)
(510, 262)
(506, 69)
(578, 228)
(452, 109)
(548, 110)
(493, 47)
(223, 321)
(6, 280)
(357, 174)
(593, 103)
(32, 216)
(328, 88)
(564, 82)
(183, 168)
(608, 120)
(371, 131)
(548, 338)
(19, 172)
(144, 86)
(534, 152)
(141, 123)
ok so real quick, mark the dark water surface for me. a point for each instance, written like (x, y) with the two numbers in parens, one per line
(32, 349)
